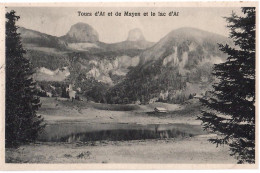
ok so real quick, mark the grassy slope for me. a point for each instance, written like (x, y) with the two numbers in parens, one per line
(55, 111)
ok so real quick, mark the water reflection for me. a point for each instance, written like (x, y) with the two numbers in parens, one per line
(116, 132)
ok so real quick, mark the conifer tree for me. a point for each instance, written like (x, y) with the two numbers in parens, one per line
(22, 124)
(230, 112)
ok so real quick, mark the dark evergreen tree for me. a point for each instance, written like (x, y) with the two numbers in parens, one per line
(231, 110)
(22, 124)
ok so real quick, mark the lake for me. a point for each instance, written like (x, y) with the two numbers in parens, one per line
(84, 132)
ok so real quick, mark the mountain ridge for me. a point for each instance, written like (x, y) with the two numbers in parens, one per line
(83, 37)
(183, 35)
(40, 39)
(178, 65)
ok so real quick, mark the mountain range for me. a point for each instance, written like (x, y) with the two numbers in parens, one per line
(82, 37)
(178, 65)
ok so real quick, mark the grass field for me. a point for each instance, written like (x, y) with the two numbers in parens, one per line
(188, 150)
(55, 111)
(173, 150)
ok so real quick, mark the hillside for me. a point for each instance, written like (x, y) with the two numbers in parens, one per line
(185, 40)
(177, 67)
(31, 39)
(174, 69)
(107, 63)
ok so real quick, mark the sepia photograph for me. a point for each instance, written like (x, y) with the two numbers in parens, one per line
(130, 84)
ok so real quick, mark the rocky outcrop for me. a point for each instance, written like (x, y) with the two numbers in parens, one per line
(102, 70)
(44, 74)
(81, 33)
(135, 35)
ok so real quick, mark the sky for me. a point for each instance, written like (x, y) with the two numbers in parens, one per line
(57, 21)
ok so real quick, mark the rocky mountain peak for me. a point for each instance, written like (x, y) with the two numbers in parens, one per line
(135, 35)
(82, 32)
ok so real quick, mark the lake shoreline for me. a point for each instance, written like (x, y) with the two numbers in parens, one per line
(187, 150)
(55, 112)
(195, 149)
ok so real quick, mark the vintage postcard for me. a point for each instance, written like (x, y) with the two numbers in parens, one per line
(128, 85)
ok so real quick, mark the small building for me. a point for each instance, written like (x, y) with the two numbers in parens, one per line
(71, 92)
(153, 100)
(198, 96)
(72, 95)
(48, 94)
(137, 102)
(69, 88)
(160, 109)
(164, 95)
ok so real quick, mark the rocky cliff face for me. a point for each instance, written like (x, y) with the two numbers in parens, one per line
(135, 35)
(135, 40)
(104, 70)
(179, 64)
(44, 74)
(81, 33)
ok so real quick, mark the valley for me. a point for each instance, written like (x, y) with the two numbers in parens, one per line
(99, 99)
(130, 86)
